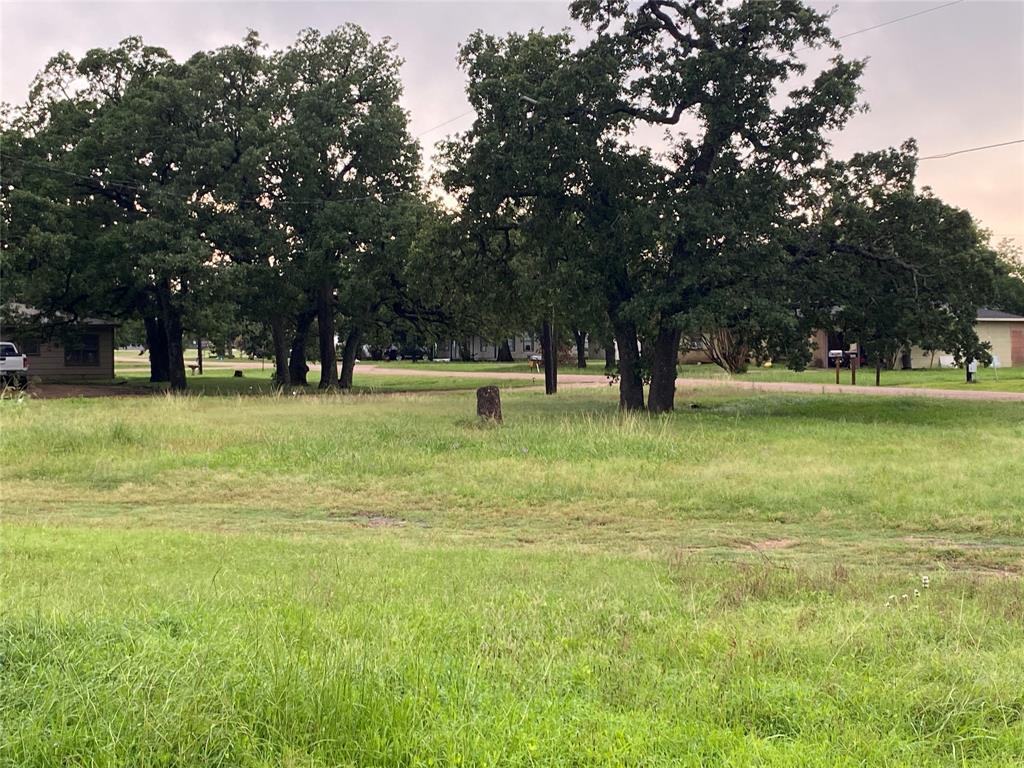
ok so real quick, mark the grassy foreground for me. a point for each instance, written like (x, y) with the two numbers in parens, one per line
(382, 581)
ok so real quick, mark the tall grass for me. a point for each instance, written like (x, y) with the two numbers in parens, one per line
(385, 581)
(906, 464)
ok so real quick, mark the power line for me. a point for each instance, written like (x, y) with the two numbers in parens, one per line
(887, 23)
(446, 122)
(144, 188)
(971, 149)
(901, 18)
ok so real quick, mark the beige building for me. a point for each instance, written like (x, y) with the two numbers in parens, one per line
(1005, 332)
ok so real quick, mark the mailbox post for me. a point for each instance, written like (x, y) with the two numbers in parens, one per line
(837, 356)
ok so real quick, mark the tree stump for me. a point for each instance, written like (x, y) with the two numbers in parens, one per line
(488, 403)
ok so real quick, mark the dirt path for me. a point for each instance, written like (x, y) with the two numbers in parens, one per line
(594, 380)
(585, 379)
(846, 389)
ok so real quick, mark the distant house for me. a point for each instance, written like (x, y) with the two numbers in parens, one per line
(61, 350)
(1004, 331)
(522, 346)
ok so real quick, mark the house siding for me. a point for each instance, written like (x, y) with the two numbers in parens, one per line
(999, 333)
(49, 364)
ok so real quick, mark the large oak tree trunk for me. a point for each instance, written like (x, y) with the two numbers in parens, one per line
(325, 326)
(298, 370)
(609, 353)
(663, 371)
(282, 376)
(504, 352)
(631, 383)
(348, 357)
(173, 332)
(156, 343)
(549, 351)
(581, 348)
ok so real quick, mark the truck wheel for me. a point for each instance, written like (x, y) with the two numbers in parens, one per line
(23, 382)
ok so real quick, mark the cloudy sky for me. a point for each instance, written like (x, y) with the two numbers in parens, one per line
(952, 78)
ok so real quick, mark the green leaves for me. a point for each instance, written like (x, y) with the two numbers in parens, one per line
(900, 267)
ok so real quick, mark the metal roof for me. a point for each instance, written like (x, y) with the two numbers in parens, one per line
(997, 314)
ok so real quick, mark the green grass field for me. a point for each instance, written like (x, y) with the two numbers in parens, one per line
(221, 381)
(988, 379)
(383, 581)
(1002, 379)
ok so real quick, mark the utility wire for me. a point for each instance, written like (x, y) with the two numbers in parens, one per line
(144, 188)
(887, 23)
(442, 125)
(901, 18)
(971, 149)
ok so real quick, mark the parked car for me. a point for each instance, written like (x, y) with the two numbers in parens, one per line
(13, 366)
(414, 353)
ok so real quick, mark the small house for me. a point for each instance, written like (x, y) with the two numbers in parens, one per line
(61, 350)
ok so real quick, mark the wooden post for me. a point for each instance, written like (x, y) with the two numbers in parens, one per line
(488, 403)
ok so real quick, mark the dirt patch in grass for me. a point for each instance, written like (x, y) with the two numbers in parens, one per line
(769, 544)
(971, 556)
(59, 391)
(383, 521)
(369, 519)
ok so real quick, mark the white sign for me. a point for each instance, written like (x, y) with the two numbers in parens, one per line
(995, 361)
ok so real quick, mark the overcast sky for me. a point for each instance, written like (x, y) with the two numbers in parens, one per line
(952, 79)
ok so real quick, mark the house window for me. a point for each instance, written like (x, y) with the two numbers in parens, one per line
(82, 350)
(29, 347)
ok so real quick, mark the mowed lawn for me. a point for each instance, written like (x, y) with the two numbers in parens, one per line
(383, 581)
(989, 379)
(217, 381)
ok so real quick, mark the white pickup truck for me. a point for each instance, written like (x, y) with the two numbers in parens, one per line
(13, 366)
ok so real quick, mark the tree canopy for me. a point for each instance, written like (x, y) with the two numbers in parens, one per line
(281, 190)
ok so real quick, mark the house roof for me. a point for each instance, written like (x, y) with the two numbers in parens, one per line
(997, 314)
(15, 312)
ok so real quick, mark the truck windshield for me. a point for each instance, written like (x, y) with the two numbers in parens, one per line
(8, 350)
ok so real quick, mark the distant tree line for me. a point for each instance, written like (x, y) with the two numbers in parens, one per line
(282, 190)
